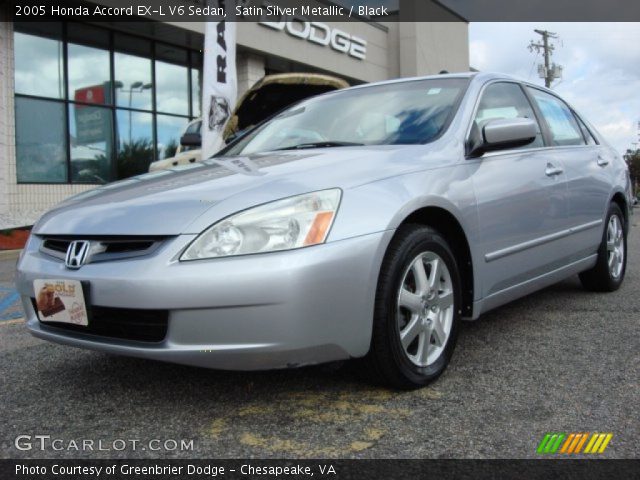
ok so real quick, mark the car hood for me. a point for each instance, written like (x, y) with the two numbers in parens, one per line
(273, 93)
(183, 199)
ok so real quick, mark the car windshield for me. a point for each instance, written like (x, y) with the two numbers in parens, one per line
(401, 113)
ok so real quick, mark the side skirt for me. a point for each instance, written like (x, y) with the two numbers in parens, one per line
(529, 286)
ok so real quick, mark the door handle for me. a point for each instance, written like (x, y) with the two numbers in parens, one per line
(552, 170)
(602, 162)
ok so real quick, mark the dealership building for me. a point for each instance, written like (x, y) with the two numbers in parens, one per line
(82, 104)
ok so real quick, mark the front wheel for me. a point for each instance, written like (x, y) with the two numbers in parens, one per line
(417, 311)
(608, 273)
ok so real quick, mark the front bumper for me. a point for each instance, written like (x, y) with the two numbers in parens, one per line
(253, 312)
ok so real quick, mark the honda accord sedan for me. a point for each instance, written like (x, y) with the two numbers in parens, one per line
(363, 223)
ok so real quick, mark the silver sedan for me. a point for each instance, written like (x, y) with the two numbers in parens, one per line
(363, 223)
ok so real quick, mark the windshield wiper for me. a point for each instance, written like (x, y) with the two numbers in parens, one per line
(323, 144)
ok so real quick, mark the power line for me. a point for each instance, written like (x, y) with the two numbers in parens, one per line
(533, 64)
(548, 71)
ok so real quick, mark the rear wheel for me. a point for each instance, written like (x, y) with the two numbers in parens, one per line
(417, 309)
(608, 273)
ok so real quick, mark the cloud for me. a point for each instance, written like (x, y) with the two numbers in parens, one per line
(601, 78)
(479, 53)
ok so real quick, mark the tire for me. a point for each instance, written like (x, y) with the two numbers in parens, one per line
(606, 277)
(435, 316)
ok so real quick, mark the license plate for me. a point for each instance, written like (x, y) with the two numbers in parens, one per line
(61, 301)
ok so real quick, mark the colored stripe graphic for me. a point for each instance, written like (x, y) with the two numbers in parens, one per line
(572, 443)
(581, 442)
(598, 443)
(543, 443)
(592, 441)
(596, 446)
(556, 444)
(551, 442)
(568, 442)
(604, 445)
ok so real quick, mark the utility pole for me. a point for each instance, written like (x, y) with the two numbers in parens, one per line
(550, 71)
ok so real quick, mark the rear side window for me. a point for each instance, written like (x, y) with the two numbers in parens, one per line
(586, 132)
(562, 124)
(504, 100)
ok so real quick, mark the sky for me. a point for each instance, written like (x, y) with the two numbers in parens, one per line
(601, 61)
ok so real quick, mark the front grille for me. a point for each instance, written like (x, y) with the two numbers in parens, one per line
(123, 323)
(57, 245)
(127, 246)
(103, 249)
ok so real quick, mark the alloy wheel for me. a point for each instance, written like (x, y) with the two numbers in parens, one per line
(615, 246)
(425, 309)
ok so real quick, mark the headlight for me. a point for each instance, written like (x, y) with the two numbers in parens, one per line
(286, 224)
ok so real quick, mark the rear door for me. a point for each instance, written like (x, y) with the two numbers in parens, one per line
(587, 169)
(521, 197)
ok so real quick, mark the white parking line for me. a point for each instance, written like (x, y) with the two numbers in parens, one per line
(11, 322)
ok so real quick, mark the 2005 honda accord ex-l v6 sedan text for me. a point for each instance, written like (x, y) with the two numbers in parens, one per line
(362, 223)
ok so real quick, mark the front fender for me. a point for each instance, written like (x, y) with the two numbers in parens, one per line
(383, 205)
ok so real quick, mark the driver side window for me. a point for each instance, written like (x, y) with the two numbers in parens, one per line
(504, 100)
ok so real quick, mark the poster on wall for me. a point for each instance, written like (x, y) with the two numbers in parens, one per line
(92, 123)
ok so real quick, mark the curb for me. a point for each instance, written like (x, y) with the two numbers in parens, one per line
(9, 254)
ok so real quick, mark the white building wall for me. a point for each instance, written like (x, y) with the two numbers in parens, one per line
(250, 69)
(6, 115)
(426, 48)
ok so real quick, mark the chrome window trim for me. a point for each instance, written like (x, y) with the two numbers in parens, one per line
(586, 126)
(527, 150)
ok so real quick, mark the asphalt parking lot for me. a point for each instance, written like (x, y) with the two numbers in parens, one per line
(561, 360)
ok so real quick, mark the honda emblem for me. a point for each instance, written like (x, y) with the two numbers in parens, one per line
(77, 254)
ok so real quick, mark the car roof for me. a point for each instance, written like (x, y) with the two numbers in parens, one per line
(475, 77)
(481, 77)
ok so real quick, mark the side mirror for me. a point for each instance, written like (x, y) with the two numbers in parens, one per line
(191, 140)
(501, 134)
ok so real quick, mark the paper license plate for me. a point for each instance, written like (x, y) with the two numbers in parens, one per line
(60, 301)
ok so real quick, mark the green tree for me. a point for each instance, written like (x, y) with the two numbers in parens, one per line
(632, 157)
(134, 157)
(170, 149)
